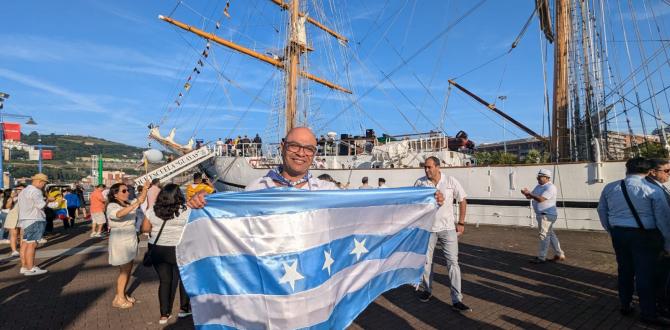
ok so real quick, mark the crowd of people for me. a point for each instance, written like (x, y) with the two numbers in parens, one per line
(634, 211)
(242, 145)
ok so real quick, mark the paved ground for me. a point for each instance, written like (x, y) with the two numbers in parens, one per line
(504, 290)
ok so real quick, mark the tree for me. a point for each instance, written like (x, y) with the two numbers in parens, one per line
(652, 150)
(18, 154)
(495, 158)
(483, 158)
(534, 156)
(505, 158)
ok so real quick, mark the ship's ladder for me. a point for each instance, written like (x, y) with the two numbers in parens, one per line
(178, 166)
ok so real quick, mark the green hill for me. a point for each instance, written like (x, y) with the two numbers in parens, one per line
(65, 167)
(69, 147)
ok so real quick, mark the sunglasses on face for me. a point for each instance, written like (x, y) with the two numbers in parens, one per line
(123, 191)
(660, 170)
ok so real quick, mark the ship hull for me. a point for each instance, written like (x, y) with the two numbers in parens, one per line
(494, 192)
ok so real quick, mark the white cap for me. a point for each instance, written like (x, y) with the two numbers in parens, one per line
(544, 172)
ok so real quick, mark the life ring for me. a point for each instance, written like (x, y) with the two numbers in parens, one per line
(253, 162)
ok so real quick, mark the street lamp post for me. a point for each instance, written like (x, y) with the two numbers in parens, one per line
(503, 98)
(39, 150)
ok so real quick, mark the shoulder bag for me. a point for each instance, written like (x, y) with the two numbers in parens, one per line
(624, 189)
(12, 219)
(147, 260)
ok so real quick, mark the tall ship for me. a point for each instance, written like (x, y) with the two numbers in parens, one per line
(605, 102)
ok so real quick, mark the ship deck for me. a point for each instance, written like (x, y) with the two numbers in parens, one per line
(504, 290)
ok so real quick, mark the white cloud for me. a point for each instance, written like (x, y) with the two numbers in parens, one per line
(118, 12)
(82, 101)
(116, 58)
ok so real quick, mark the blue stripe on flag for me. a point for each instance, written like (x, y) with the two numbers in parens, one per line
(245, 274)
(353, 303)
(255, 203)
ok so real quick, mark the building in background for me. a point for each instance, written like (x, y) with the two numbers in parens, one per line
(518, 147)
(108, 178)
(617, 145)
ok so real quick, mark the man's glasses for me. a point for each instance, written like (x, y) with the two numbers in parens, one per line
(123, 191)
(295, 147)
(660, 170)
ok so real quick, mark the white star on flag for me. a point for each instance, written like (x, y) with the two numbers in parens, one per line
(291, 274)
(359, 248)
(327, 262)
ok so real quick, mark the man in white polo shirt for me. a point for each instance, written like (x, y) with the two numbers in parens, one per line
(446, 230)
(543, 199)
(33, 221)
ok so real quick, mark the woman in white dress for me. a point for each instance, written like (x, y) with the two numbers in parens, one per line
(122, 238)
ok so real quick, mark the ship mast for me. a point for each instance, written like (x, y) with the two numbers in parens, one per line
(293, 52)
(294, 49)
(560, 138)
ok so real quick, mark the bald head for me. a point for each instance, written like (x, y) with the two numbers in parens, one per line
(302, 135)
(299, 148)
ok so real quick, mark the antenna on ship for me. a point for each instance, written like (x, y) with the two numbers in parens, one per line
(295, 48)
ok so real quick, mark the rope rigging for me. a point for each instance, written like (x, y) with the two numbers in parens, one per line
(410, 58)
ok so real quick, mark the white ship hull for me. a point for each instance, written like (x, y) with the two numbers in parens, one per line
(494, 192)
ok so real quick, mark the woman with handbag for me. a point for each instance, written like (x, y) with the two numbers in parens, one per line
(11, 215)
(122, 239)
(6, 194)
(165, 221)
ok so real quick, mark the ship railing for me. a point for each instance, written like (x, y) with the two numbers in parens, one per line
(239, 150)
(430, 144)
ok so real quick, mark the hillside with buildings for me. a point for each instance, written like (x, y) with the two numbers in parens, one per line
(67, 158)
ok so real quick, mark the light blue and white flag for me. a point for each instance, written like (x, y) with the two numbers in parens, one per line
(288, 258)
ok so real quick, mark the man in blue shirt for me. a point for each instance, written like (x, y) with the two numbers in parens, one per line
(72, 205)
(637, 240)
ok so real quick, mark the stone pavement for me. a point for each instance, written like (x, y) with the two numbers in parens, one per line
(504, 290)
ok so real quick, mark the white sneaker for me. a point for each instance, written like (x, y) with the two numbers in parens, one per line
(183, 314)
(4, 241)
(164, 320)
(42, 241)
(15, 254)
(23, 270)
(35, 271)
(98, 235)
(92, 235)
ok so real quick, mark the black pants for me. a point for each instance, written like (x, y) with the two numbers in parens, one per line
(637, 253)
(165, 264)
(72, 213)
(50, 215)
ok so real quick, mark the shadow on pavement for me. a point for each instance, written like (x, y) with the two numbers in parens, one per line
(43, 295)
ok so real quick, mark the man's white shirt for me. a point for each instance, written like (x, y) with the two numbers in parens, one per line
(549, 192)
(452, 190)
(31, 206)
(313, 184)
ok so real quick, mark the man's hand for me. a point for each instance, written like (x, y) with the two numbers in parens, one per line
(145, 190)
(460, 229)
(439, 198)
(197, 201)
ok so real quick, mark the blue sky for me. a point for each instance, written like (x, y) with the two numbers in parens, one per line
(109, 68)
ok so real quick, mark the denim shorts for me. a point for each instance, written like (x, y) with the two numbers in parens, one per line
(33, 233)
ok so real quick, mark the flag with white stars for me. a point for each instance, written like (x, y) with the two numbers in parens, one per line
(287, 258)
